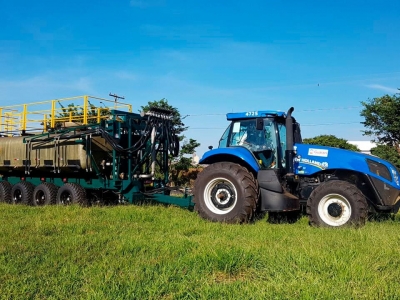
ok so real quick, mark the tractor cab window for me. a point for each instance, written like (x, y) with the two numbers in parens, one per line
(262, 143)
(223, 142)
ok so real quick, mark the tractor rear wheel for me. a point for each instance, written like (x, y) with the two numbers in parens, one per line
(44, 194)
(5, 191)
(226, 192)
(21, 193)
(337, 203)
(71, 193)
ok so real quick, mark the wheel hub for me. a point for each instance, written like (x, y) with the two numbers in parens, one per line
(17, 196)
(222, 196)
(40, 198)
(335, 210)
(65, 198)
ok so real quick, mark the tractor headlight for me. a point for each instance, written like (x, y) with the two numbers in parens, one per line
(379, 169)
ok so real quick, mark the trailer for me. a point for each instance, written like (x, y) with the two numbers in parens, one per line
(86, 150)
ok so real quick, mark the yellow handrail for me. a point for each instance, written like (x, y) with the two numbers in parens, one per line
(45, 114)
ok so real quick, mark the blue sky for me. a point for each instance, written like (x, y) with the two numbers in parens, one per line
(207, 58)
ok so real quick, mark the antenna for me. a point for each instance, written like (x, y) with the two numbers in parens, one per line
(116, 97)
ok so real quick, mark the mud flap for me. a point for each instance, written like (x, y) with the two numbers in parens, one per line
(273, 196)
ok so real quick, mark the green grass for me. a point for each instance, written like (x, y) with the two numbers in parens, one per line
(156, 252)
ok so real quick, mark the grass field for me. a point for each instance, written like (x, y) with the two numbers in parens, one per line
(156, 252)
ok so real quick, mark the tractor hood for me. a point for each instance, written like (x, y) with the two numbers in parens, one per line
(311, 159)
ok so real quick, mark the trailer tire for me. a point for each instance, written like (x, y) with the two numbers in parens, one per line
(71, 193)
(337, 203)
(44, 194)
(226, 192)
(22, 192)
(5, 191)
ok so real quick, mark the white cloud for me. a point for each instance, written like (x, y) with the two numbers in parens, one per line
(386, 89)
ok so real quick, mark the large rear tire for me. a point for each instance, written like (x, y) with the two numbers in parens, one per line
(337, 203)
(226, 192)
(5, 191)
(44, 194)
(71, 193)
(21, 193)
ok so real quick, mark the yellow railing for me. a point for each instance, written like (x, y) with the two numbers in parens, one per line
(40, 116)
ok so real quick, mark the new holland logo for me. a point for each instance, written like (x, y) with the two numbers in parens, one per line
(321, 165)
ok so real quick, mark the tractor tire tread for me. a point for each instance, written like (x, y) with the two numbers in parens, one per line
(247, 184)
(359, 209)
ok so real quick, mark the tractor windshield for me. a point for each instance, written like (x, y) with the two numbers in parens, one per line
(263, 141)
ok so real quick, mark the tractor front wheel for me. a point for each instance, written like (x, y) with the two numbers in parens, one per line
(337, 203)
(226, 192)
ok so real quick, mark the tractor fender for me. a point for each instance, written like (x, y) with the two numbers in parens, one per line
(240, 155)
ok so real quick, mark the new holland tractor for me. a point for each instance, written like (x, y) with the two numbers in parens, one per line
(51, 152)
(261, 165)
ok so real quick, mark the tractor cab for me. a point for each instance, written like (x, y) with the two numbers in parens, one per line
(263, 133)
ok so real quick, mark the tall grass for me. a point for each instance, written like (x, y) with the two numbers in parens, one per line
(156, 252)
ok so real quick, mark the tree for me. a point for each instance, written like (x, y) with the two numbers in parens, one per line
(179, 127)
(382, 120)
(76, 113)
(180, 165)
(331, 141)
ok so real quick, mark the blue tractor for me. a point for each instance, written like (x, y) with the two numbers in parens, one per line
(261, 165)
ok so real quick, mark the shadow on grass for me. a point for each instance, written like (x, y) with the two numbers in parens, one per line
(382, 217)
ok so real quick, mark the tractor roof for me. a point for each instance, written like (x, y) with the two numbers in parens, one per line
(255, 114)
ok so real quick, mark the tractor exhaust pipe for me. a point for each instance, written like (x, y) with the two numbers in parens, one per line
(289, 154)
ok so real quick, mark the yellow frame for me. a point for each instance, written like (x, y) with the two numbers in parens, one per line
(37, 116)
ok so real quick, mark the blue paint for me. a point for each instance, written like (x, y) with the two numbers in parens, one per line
(239, 152)
(311, 159)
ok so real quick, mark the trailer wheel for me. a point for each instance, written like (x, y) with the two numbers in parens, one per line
(337, 203)
(71, 193)
(44, 194)
(226, 192)
(5, 191)
(21, 193)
